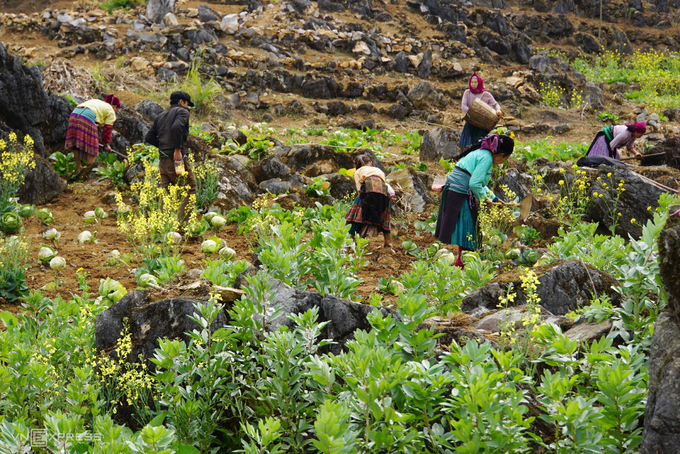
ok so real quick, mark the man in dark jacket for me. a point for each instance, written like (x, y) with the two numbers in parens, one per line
(169, 133)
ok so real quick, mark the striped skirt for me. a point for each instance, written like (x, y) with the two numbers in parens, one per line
(370, 212)
(82, 133)
(469, 135)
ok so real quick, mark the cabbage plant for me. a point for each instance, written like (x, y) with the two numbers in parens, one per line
(84, 237)
(110, 291)
(90, 217)
(45, 216)
(10, 223)
(26, 211)
(46, 253)
(52, 235)
(227, 253)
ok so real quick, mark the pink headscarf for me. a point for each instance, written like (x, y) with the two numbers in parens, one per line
(638, 126)
(498, 144)
(113, 100)
(480, 84)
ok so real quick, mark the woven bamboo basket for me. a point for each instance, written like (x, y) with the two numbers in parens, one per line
(482, 115)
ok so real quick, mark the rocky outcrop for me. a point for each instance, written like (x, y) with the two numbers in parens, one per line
(439, 143)
(562, 288)
(236, 185)
(147, 323)
(345, 316)
(631, 203)
(25, 106)
(662, 419)
(42, 184)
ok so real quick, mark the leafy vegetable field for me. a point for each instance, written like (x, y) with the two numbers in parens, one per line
(420, 380)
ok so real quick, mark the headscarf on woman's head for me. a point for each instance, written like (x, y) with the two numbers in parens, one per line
(480, 84)
(638, 126)
(498, 144)
(113, 100)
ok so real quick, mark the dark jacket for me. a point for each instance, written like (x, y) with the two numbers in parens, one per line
(170, 130)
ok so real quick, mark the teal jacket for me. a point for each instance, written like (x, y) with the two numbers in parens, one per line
(478, 164)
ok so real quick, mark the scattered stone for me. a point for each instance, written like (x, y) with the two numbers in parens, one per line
(229, 24)
(275, 186)
(156, 10)
(425, 66)
(587, 332)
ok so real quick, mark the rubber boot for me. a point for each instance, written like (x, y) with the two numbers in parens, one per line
(459, 262)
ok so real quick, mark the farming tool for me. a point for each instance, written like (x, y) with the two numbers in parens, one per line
(524, 206)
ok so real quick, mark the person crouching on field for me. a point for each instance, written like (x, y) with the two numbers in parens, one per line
(370, 212)
(82, 135)
(465, 187)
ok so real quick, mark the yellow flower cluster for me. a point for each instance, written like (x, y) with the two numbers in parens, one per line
(131, 381)
(551, 95)
(15, 160)
(494, 217)
(157, 212)
(572, 201)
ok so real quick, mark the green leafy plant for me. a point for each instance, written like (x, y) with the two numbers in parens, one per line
(64, 164)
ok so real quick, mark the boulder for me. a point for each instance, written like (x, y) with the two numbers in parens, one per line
(42, 184)
(425, 66)
(149, 109)
(517, 182)
(401, 62)
(439, 143)
(661, 434)
(342, 186)
(632, 203)
(563, 287)
(303, 157)
(26, 107)
(275, 186)
(588, 43)
(345, 316)
(236, 185)
(156, 10)
(423, 96)
(270, 168)
(516, 317)
(148, 322)
(587, 332)
(412, 190)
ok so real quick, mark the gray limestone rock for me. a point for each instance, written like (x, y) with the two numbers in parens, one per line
(563, 287)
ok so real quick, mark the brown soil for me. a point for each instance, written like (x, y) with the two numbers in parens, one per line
(91, 258)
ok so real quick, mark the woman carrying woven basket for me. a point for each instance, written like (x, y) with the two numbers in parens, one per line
(465, 188)
(370, 212)
(610, 138)
(470, 133)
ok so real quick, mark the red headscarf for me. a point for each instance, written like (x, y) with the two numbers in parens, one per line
(480, 84)
(638, 126)
(114, 101)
